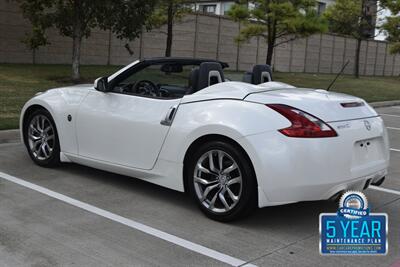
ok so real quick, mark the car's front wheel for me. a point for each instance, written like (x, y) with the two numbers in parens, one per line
(221, 181)
(41, 139)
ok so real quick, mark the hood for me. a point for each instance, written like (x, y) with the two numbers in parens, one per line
(71, 94)
(80, 87)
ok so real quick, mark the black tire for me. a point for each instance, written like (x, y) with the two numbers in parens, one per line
(248, 198)
(54, 157)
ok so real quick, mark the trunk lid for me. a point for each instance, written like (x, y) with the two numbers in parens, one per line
(328, 106)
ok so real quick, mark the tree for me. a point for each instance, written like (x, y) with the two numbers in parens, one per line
(127, 19)
(392, 24)
(35, 39)
(276, 21)
(76, 19)
(351, 17)
(167, 13)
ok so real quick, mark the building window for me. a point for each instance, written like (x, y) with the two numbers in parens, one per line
(208, 8)
(321, 8)
(227, 6)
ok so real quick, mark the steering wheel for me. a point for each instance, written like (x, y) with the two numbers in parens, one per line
(146, 87)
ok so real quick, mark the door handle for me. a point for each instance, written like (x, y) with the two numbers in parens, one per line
(169, 117)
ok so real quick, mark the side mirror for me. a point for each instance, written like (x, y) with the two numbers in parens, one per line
(101, 84)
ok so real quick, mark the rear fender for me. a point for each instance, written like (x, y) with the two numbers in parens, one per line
(231, 118)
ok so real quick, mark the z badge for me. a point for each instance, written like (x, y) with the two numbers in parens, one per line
(353, 230)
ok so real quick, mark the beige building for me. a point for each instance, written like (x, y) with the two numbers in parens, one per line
(212, 7)
(221, 7)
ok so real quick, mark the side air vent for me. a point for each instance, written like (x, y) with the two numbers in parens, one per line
(352, 104)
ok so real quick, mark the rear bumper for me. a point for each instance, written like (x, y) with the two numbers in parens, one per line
(294, 169)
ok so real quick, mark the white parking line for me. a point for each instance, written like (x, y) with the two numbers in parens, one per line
(390, 115)
(395, 150)
(385, 190)
(130, 223)
(393, 128)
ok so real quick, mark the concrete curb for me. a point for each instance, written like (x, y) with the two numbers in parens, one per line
(13, 136)
(9, 136)
(385, 104)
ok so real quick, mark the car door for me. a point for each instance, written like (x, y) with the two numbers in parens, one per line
(123, 129)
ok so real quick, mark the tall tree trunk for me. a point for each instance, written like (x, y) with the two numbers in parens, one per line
(76, 58)
(271, 41)
(360, 36)
(357, 60)
(270, 53)
(76, 42)
(169, 28)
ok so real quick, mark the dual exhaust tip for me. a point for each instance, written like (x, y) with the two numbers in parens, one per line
(337, 196)
(379, 182)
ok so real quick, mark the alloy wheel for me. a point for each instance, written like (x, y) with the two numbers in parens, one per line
(217, 181)
(41, 137)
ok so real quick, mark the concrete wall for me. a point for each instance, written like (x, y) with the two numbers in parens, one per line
(199, 36)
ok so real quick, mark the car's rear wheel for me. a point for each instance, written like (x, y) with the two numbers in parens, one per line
(222, 182)
(41, 139)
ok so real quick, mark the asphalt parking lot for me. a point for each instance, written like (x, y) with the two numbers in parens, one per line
(74, 215)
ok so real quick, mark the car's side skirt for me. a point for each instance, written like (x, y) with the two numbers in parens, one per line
(165, 173)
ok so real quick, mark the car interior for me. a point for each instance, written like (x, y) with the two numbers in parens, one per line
(169, 80)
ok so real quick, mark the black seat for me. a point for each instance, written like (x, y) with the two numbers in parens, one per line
(261, 74)
(209, 73)
(193, 81)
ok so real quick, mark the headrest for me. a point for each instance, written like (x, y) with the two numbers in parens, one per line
(209, 73)
(193, 81)
(261, 74)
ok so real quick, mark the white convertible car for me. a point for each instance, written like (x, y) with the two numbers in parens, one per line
(233, 146)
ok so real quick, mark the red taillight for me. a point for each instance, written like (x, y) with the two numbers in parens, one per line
(304, 125)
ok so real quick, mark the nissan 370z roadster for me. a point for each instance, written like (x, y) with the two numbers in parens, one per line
(232, 145)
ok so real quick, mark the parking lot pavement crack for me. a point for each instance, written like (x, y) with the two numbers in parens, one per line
(277, 249)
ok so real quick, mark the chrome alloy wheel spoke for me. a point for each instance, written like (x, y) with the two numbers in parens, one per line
(205, 170)
(33, 129)
(39, 124)
(207, 191)
(211, 162)
(230, 169)
(43, 148)
(37, 146)
(223, 200)
(37, 143)
(212, 202)
(50, 137)
(34, 137)
(220, 160)
(235, 180)
(232, 195)
(204, 181)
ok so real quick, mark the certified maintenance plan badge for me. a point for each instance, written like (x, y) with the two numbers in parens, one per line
(353, 230)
